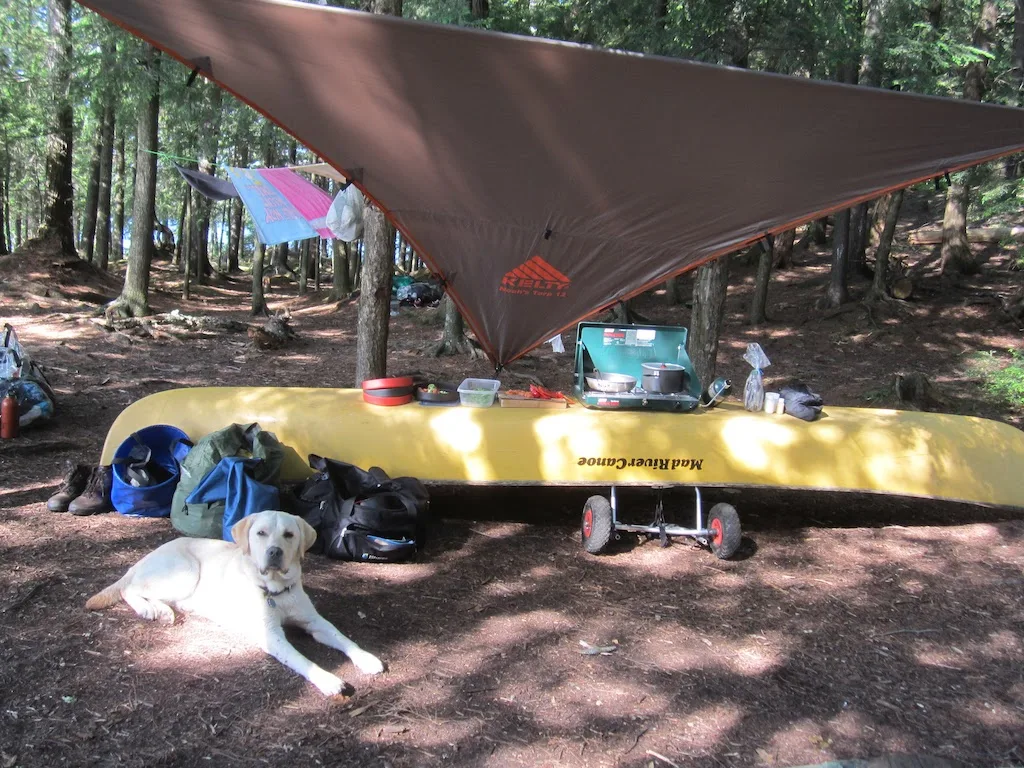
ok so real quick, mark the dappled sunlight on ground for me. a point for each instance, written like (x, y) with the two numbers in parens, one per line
(847, 627)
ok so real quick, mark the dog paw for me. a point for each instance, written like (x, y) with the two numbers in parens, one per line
(165, 615)
(366, 663)
(329, 685)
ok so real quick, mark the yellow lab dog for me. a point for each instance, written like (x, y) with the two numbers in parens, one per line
(252, 588)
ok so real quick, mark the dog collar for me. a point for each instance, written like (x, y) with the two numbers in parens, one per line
(271, 595)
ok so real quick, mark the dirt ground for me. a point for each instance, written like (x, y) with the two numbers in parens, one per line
(848, 627)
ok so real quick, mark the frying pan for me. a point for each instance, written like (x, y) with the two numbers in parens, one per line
(610, 382)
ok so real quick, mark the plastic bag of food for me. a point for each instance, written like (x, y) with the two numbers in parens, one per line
(345, 217)
(753, 390)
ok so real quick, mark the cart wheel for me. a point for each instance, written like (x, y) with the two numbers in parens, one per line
(597, 524)
(725, 526)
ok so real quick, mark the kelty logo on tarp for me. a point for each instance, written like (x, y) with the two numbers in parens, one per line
(621, 462)
(535, 277)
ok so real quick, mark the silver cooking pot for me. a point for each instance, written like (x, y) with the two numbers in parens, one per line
(664, 378)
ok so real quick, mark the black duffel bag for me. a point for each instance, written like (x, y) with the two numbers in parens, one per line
(362, 515)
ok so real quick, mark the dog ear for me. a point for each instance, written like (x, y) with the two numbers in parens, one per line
(308, 535)
(240, 533)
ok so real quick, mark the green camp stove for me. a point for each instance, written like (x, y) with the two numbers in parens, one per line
(614, 362)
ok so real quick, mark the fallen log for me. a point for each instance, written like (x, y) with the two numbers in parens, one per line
(977, 235)
(903, 288)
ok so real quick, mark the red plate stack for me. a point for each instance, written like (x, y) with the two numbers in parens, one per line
(397, 390)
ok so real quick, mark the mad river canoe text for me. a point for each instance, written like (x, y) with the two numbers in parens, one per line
(621, 462)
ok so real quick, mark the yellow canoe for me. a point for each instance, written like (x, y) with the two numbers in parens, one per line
(960, 458)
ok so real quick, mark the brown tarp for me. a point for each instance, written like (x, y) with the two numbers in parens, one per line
(545, 180)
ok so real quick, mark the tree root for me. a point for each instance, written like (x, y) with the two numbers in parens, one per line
(916, 391)
(466, 346)
(273, 334)
(172, 325)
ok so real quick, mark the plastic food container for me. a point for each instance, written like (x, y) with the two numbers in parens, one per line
(478, 393)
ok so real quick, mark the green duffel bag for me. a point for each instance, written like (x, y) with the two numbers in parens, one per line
(245, 440)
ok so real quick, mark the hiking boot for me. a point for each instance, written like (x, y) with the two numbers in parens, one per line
(96, 496)
(71, 488)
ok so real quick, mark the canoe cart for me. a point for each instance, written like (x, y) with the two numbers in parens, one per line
(721, 533)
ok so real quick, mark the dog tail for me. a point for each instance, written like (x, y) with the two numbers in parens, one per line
(107, 597)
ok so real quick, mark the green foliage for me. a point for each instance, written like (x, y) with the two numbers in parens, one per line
(1003, 376)
(998, 196)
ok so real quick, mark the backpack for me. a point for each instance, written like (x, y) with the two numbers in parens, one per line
(243, 440)
(363, 516)
(22, 377)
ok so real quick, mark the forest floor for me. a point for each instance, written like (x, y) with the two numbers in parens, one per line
(847, 628)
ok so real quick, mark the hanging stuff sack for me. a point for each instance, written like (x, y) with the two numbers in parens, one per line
(146, 469)
(801, 402)
(345, 216)
(364, 516)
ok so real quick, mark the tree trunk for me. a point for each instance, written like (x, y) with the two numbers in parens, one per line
(235, 238)
(374, 296)
(836, 293)
(709, 292)
(454, 341)
(880, 282)
(760, 298)
(377, 271)
(317, 260)
(817, 231)
(102, 254)
(355, 261)
(856, 263)
(191, 249)
(58, 206)
(208, 145)
(956, 254)
(88, 232)
(259, 303)
(304, 266)
(134, 299)
(4, 250)
(783, 257)
(279, 261)
(478, 9)
(1017, 77)
(120, 181)
(454, 329)
(342, 285)
(6, 242)
(182, 240)
(673, 296)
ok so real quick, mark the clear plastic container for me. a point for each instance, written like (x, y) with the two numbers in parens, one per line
(478, 393)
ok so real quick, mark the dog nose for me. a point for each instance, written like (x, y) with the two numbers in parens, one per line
(274, 554)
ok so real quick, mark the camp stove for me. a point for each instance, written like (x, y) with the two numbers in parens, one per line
(621, 350)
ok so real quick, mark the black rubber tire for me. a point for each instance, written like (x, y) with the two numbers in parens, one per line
(724, 521)
(596, 527)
